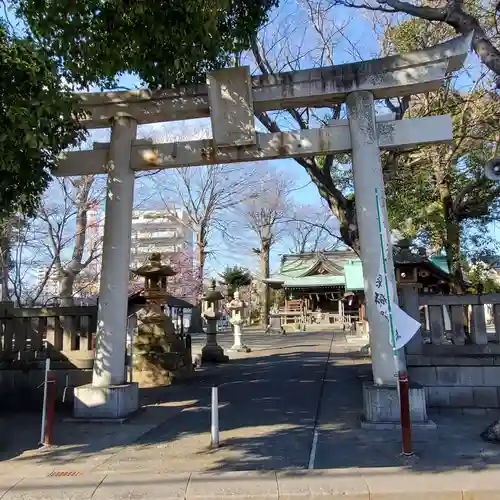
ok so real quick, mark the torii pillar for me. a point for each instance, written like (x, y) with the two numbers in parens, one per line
(368, 177)
(109, 395)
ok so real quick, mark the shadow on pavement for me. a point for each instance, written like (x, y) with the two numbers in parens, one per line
(269, 405)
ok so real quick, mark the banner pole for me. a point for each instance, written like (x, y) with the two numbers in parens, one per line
(402, 373)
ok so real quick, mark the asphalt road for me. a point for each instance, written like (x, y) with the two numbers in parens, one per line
(269, 401)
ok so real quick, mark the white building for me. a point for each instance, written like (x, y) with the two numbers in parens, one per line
(164, 231)
(51, 286)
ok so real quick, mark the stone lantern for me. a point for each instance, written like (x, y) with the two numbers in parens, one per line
(237, 306)
(211, 351)
(159, 356)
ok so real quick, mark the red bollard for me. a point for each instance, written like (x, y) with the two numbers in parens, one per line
(404, 401)
(50, 409)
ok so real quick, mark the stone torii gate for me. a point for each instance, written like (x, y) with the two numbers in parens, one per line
(230, 98)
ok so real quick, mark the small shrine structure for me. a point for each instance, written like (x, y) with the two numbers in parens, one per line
(322, 289)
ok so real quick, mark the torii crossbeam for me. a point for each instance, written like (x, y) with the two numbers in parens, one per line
(231, 97)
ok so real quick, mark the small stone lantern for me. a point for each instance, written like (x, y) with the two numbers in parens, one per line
(211, 351)
(159, 355)
(237, 306)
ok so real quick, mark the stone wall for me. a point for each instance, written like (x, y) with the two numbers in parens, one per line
(461, 382)
(21, 388)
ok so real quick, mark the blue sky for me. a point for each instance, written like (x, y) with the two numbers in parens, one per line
(355, 39)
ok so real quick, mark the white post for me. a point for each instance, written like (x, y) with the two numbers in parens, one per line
(237, 337)
(44, 404)
(214, 431)
(112, 316)
(367, 171)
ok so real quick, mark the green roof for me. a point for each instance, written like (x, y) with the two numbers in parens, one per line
(297, 267)
(342, 267)
(353, 272)
(319, 281)
(441, 263)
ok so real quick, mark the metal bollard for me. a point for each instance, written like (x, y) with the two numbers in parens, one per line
(49, 403)
(214, 432)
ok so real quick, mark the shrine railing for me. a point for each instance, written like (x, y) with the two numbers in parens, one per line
(315, 318)
(61, 333)
(458, 324)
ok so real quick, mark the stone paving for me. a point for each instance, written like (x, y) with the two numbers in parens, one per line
(271, 402)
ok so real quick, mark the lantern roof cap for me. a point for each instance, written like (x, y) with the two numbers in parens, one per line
(154, 268)
(212, 293)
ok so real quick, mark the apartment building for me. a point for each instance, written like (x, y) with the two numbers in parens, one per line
(164, 231)
(51, 287)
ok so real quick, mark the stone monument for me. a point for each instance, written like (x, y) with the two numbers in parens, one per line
(159, 355)
(237, 306)
(211, 351)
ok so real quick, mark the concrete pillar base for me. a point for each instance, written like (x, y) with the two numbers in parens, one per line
(111, 402)
(381, 407)
(213, 354)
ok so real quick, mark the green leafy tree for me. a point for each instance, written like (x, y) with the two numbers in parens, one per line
(235, 277)
(165, 42)
(483, 278)
(439, 193)
(37, 123)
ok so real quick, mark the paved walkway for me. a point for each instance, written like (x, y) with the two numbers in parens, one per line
(273, 402)
(355, 484)
(268, 398)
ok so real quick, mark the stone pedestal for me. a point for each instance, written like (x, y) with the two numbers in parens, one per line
(237, 306)
(159, 357)
(381, 407)
(105, 403)
(238, 346)
(212, 352)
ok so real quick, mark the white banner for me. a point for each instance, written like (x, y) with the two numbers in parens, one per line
(405, 327)
(380, 291)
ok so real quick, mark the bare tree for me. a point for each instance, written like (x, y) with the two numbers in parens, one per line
(11, 229)
(281, 47)
(77, 203)
(206, 196)
(265, 216)
(54, 244)
(311, 229)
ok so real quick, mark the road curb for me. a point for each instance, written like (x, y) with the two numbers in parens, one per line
(354, 484)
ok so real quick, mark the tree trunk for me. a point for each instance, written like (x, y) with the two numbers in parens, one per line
(452, 236)
(66, 283)
(196, 323)
(4, 268)
(68, 274)
(349, 227)
(264, 273)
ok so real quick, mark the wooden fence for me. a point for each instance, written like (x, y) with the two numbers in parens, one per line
(63, 333)
(460, 320)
